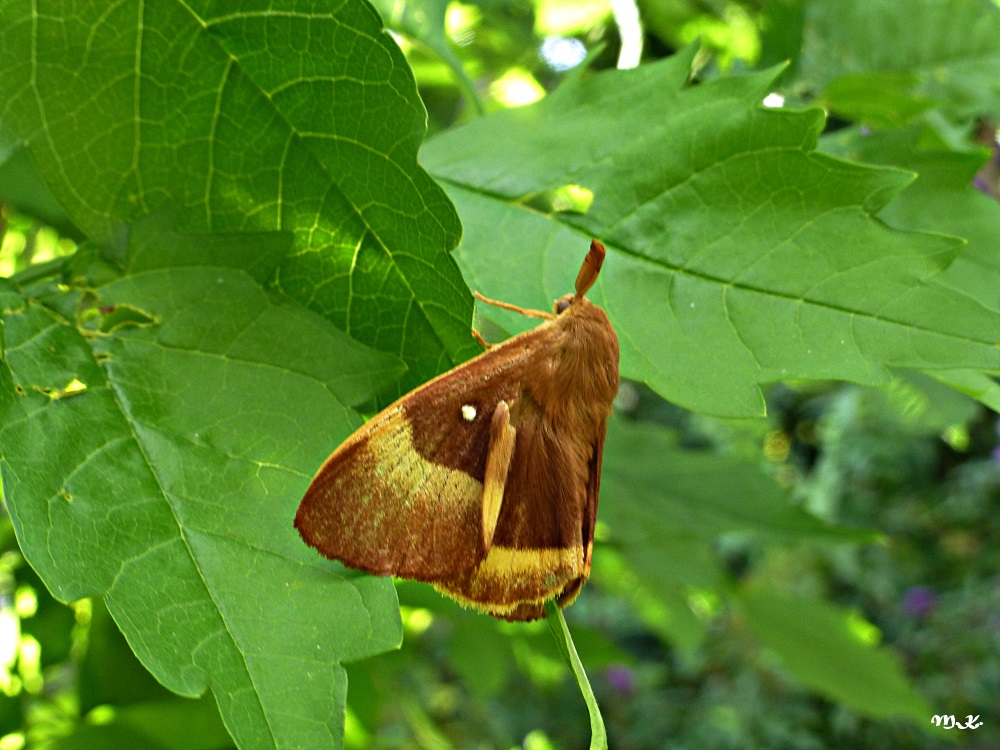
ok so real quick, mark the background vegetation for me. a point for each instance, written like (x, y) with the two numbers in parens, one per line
(220, 252)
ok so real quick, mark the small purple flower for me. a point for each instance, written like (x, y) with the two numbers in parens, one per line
(620, 678)
(996, 455)
(919, 601)
(980, 184)
(864, 130)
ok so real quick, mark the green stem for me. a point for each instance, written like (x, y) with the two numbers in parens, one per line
(557, 624)
(38, 271)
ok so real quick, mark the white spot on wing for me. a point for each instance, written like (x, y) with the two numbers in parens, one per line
(468, 412)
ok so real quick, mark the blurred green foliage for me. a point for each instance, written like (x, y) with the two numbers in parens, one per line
(777, 559)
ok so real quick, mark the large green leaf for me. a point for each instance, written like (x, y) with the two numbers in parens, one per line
(159, 426)
(665, 507)
(833, 651)
(739, 255)
(911, 52)
(262, 116)
(653, 490)
(110, 675)
(941, 199)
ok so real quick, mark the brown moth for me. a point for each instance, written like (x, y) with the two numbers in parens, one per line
(483, 481)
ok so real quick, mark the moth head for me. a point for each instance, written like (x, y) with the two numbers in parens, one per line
(562, 304)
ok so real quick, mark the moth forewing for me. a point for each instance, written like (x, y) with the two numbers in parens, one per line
(403, 495)
(483, 481)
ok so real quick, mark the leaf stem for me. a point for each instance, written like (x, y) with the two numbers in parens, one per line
(38, 271)
(560, 631)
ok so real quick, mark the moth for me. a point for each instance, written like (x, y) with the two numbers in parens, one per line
(483, 481)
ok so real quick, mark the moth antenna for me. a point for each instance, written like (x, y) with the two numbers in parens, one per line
(590, 268)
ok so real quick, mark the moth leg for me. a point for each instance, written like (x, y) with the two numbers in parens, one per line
(479, 337)
(497, 465)
(507, 306)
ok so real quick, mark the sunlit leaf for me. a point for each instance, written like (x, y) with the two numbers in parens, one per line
(168, 485)
(252, 118)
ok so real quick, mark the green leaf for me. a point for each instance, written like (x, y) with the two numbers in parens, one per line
(651, 488)
(738, 254)
(832, 651)
(480, 655)
(876, 99)
(167, 479)
(285, 117)
(660, 602)
(22, 188)
(666, 507)
(781, 29)
(52, 622)
(424, 20)
(177, 724)
(107, 737)
(133, 710)
(942, 199)
(949, 47)
(976, 385)
(928, 404)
